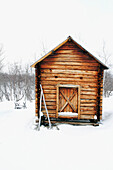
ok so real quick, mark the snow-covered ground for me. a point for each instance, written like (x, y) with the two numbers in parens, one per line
(70, 148)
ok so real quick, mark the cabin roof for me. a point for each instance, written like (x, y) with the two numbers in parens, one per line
(78, 44)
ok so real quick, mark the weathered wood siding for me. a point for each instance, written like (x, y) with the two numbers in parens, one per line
(71, 65)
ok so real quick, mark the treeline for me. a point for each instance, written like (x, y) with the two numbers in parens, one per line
(18, 83)
(108, 83)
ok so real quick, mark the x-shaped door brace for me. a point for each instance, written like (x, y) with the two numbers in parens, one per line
(68, 101)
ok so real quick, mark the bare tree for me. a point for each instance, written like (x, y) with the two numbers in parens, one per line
(108, 77)
(28, 83)
(105, 55)
(1, 58)
(1, 75)
(21, 82)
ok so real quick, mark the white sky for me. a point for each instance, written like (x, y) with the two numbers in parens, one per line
(26, 24)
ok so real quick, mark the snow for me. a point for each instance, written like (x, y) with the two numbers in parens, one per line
(67, 114)
(22, 147)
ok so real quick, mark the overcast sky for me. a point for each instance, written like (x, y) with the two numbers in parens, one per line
(25, 25)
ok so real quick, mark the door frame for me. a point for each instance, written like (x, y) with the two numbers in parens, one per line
(57, 96)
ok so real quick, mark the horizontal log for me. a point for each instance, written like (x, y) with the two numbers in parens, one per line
(101, 85)
(68, 117)
(69, 79)
(88, 97)
(87, 86)
(52, 96)
(83, 83)
(86, 116)
(48, 87)
(101, 93)
(88, 104)
(69, 67)
(100, 117)
(87, 101)
(87, 108)
(101, 89)
(69, 59)
(89, 92)
(101, 97)
(36, 111)
(89, 112)
(68, 47)
(89, 89)
(36, 106)
(36, 114)
(72, 75)
(50, 115)
(100, 112)
(36, 90)
(73, 57)
(49, 91)
(49, 111)
(61, 71)
(50, 99)
(36, 99)
(60, 51)
(72, 52)
(68, 63)
(49, 107)
(50, 103)
(100, 108)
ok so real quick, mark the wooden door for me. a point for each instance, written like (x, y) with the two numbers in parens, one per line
(68, 101)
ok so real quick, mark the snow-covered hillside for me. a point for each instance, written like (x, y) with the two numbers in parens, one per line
(72, 147)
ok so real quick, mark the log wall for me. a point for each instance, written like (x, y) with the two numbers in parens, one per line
(71, 65)
(37, 89)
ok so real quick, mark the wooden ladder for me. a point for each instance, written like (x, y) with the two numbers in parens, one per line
(42, 97)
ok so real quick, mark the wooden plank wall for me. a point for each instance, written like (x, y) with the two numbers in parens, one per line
(70, 65)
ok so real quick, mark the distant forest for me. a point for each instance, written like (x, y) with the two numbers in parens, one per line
(18, 83)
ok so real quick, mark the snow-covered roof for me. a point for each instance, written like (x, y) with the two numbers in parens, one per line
(79, 44)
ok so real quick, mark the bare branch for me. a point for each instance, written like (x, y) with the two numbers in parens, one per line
(1, 57)
(105, 55)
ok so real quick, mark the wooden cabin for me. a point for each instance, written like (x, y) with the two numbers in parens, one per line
(72, 82)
